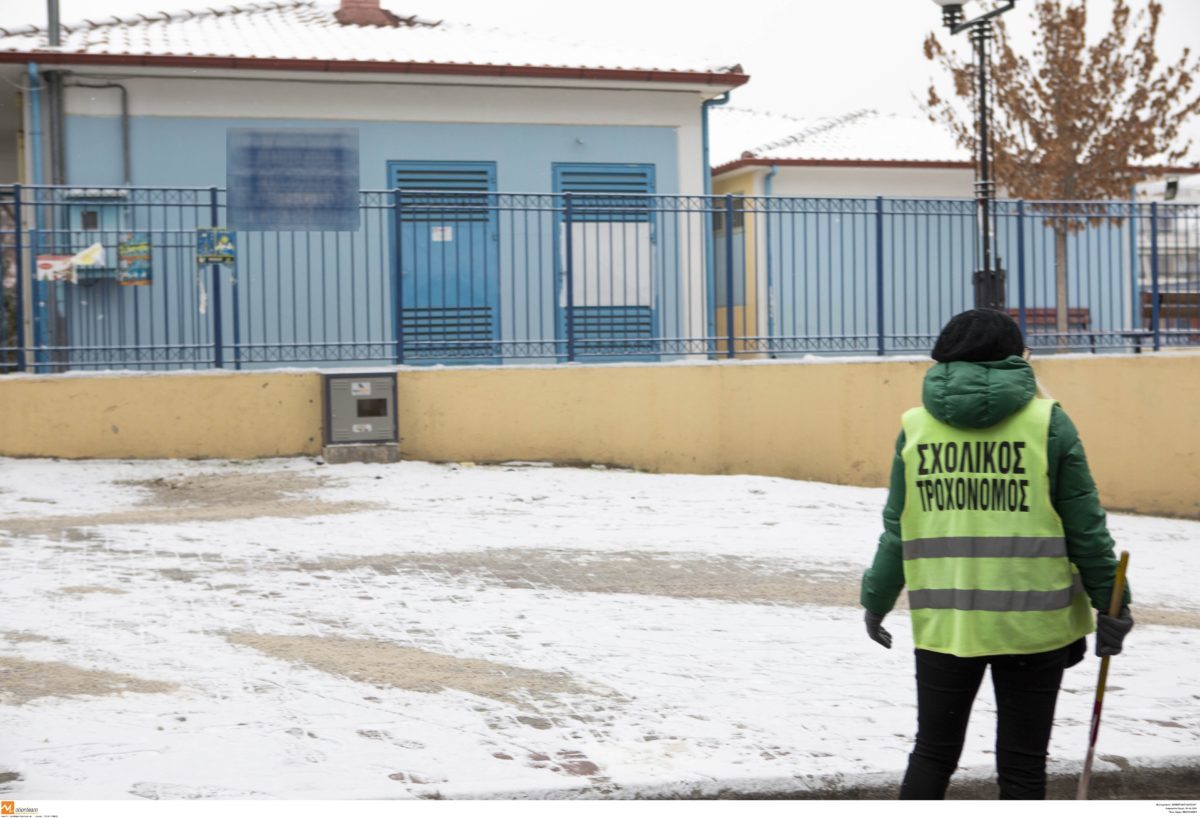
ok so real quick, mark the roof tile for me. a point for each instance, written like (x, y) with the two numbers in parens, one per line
(308, 30)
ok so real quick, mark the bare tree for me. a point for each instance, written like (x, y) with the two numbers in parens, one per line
(1073, 121)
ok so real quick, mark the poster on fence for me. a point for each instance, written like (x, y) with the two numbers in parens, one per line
(215, 245)
(133, 260)
(91, 256)
(55, 268)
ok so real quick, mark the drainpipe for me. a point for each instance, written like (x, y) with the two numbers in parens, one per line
(35, 119)
(54, 131)
(710, 271)
(715, 102)
(40, 288)
(126, 164)
(770, 284)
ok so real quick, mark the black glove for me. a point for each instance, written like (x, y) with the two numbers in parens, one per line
(876, 631)
(1111, 630)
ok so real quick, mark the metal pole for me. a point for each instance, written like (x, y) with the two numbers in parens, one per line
(879, 274)
(1154, 305)
(41, 289)
(217, 328)
(398, 277)
(18, 251)
(53, 26)
(1021, 265)
(569, 270)
(237, 307)
(1135, 264)
(729, 328)
(710, 275)
(986, 290)
(54, 99)
(768, 206)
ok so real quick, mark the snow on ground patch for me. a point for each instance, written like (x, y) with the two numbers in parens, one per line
(286, 629)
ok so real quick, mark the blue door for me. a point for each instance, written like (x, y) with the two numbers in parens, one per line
(449, 261)
(614, 282)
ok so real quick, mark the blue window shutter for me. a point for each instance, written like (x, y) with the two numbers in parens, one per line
(624, 191)
(447, 192)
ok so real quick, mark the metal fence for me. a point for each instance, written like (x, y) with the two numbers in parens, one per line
(437, 277)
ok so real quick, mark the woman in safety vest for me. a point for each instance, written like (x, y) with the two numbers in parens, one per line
(994, 525)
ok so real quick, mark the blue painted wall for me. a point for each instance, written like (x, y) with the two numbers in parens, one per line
(191, 152)
(329, 294)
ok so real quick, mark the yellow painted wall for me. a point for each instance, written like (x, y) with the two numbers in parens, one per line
(827, 421)
(832, 422)
(1136, 416)
(793, 420)
(234, 415)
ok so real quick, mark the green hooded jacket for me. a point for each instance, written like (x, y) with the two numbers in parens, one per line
(976, 396)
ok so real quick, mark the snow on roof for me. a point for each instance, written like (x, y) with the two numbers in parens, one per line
(865, 135)
(308, 30)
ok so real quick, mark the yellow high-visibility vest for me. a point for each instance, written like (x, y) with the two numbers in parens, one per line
(985, 559)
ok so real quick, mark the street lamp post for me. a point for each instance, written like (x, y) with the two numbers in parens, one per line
(989, 279)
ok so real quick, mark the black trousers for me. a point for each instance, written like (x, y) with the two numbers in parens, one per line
(1026, 691)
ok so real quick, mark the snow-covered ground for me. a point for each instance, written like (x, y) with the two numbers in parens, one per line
(288, 629)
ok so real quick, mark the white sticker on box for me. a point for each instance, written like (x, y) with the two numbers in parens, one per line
(360, 389)
(360, 428)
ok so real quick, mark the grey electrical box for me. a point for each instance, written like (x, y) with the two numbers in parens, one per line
(360, 408)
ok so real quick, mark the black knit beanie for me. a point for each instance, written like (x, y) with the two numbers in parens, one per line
(979, 335)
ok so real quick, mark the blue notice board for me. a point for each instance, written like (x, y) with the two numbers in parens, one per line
(292, 179)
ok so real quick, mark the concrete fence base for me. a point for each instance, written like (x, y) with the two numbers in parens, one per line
(826, 420)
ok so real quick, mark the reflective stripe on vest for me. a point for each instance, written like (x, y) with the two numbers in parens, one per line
(976, 600)
(985, 547)
(985, 560)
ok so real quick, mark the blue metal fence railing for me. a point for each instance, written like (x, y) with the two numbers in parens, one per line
(483, 277)
(12, 295)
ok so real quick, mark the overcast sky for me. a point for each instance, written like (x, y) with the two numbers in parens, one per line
(806, 57)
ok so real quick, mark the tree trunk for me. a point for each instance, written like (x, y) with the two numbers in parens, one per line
(1061, 302)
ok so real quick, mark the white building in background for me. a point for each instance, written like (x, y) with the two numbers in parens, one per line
(858, 154)
(797, 253)
(1178, 248)
(1174, 188)
(789, 257)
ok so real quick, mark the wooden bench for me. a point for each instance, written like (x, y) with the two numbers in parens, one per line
(1174, 309)
(1045, 319)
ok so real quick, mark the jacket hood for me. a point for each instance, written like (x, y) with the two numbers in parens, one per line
(978, 395)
